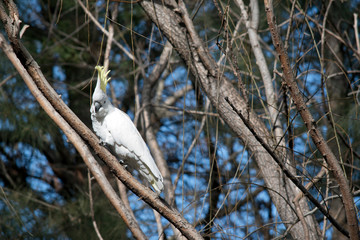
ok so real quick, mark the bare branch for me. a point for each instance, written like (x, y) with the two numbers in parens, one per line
(310, 123)
(217, 87)
(92, 208)
(66, 119)
(287, 172)
(77, 141)
(149, 131)
(252, 26)
(110, 37)
(356, 33)
(96, 22)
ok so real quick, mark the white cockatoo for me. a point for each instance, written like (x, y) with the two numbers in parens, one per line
(116, 130)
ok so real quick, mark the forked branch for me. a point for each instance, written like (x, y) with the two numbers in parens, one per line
(310, 123)
(31, 73)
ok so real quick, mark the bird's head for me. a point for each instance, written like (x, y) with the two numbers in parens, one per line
(100, 102)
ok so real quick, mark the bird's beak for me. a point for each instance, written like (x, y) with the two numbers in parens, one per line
(97, 106)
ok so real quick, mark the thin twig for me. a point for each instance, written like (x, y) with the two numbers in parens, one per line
(192, 145)
(159, 225)
(286, 45)
(96, 22)
(74, 138)
(124, 196)
(356, 33)
(110, 37)
(71, 125)
(287, 172)
(314, 131)
(301, 195)
(92, 208)
(7, 78)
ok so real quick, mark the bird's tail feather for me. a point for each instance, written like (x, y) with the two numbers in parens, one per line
(157, 185)
(156, 182)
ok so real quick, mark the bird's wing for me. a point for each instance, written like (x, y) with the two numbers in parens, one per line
(125, 134)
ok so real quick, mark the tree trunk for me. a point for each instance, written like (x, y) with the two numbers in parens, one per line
(173, 21)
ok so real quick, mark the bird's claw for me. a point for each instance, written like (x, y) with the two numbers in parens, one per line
(102, 143)
(123, 163)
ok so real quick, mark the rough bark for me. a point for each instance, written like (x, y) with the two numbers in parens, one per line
(79, 144)
(337, 89)
(173, 21)
(32, 71)
(310, 123)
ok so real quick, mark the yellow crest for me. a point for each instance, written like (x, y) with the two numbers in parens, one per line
(103, 77)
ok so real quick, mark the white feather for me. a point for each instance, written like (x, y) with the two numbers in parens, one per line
(115, 128)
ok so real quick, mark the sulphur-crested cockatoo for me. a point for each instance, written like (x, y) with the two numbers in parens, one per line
(116, 130)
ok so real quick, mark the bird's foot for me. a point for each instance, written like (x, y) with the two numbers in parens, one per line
(123, 163)
(102, 143)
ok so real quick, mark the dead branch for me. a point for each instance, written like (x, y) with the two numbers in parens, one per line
(287, 172)
(310, 123)
(74, 138)
(173, 21)
(64, 117)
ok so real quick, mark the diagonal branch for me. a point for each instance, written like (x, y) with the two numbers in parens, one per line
(96, 22)
(287, 172)
(173, 21)
(310, 123)
(74, 137)
(31, 71)
(252, 27)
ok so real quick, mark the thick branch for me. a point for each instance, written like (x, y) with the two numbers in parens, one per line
(140, 190)
(76, 140)
(288, 173)
(252, 27)
(174, 22)
(143, 192)
(310, 123)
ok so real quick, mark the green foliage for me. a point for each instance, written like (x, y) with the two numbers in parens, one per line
(25, 216)
(43, 194)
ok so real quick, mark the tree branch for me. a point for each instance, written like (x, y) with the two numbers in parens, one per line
(75, 139)
(287, 172)
(30, 71)
(310, 123)
(169, 18)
